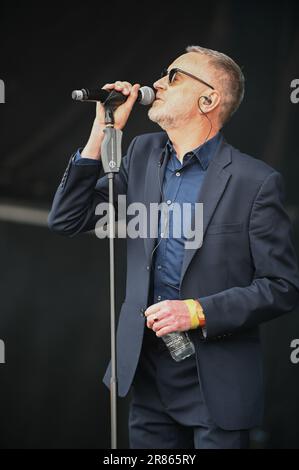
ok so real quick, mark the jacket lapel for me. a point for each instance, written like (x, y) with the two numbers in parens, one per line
(157, 163)
(212, 189)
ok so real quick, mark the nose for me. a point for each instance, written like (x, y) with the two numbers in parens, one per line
(161, 83)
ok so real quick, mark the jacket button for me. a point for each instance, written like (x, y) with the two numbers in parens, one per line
(142, 310)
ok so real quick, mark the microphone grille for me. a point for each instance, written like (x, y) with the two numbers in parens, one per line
(147, 95)
(78, 95)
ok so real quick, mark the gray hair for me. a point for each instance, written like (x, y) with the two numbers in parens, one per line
(230, 77)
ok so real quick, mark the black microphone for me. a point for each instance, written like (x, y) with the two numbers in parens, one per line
(146, 96)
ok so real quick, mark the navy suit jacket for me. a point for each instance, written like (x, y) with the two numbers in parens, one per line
(245, 272)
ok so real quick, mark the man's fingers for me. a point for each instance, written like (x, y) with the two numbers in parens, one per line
(133, 94)
(126, 89)
(157, 325)
(123, 87)
(152, 319)
(155, 317)
(119, 86)
(165, 331)
(153, 308)
(108, 86)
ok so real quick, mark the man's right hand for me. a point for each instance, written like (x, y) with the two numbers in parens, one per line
(123, 112)
(121, 115)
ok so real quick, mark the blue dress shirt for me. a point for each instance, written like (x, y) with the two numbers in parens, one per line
(181, 184)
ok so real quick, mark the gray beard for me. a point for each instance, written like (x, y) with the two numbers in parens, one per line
(165, 121)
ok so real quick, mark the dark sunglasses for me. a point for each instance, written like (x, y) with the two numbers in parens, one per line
(172, 72)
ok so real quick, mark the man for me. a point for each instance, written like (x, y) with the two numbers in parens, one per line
(245, 272)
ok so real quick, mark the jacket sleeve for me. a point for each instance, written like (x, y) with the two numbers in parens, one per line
(275, 286)
(80, 191)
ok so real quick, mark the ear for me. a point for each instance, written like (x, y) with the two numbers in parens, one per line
(208, 102)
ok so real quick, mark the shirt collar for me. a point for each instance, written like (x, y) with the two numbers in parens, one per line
(204, 153)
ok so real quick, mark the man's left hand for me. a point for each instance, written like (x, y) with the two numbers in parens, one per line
(168, 316)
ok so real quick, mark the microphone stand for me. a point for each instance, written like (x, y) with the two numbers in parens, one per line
(111, 160)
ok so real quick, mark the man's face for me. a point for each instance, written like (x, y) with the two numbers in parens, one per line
(177, 103)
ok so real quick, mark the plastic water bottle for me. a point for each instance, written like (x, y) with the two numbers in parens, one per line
(179, 344)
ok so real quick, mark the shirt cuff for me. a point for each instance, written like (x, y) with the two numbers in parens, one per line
(78, 160)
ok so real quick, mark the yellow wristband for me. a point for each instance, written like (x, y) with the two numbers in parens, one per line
(196, 313)
(200, 314)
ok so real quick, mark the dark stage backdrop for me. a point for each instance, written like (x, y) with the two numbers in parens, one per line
(54, 292)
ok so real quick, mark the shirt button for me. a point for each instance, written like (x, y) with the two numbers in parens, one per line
(159, 297)
(178, 174)
(159, 267)
(147, 268)
(168, 201)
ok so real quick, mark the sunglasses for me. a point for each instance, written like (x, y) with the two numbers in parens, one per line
(172, 73)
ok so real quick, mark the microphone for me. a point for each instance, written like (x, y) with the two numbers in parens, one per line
(146, 96)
